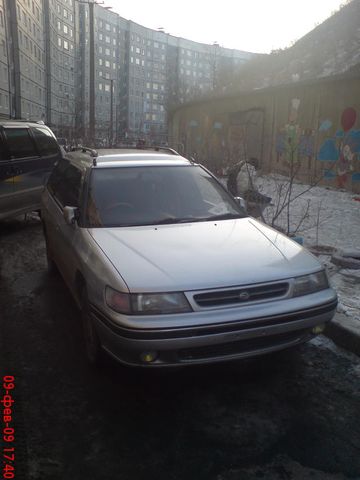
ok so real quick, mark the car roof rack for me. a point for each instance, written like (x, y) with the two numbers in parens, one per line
(9, 120)
(166, 149)
(93, 153)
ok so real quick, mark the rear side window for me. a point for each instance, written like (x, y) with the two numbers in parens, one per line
(20, 143)
(46, 143)
(65, 184)
(3, 153)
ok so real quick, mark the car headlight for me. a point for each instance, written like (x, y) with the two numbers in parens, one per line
(310, 283)
(146, 303)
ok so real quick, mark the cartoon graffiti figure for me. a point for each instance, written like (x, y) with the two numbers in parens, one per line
(344, 165)
(346, 157)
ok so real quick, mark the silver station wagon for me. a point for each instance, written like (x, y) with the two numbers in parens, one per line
(167, 266)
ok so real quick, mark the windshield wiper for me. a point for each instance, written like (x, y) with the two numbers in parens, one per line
(174, 220)
(223, 216)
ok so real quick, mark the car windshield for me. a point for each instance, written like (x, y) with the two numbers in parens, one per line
(154, 195)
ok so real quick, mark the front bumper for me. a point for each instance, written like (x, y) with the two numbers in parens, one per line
(215, 342)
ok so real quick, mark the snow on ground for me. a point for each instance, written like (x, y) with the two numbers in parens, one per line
(334, 216)
(332, 220)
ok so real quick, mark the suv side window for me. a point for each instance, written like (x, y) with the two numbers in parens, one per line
(46, 143)
(20, 143)
(65, 184)
(4, 155)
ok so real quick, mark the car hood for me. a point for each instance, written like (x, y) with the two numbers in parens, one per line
(194, 256)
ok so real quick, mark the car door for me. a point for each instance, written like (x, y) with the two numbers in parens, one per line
(64, 189)
(48, 149)
(26, 169)
(6, 179)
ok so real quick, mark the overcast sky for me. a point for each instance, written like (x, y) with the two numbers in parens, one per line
(250, 25)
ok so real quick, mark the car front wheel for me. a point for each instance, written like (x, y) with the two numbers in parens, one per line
(51, 265)
(93, 349)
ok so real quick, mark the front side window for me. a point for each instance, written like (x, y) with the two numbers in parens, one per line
(20, 143)
(65, 184)
(46, 143)
(130, 196)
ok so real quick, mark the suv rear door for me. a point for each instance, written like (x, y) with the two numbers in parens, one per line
(26, 167)
(6, 178)
(30, 153)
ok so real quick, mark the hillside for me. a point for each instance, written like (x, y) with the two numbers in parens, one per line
(332, 48)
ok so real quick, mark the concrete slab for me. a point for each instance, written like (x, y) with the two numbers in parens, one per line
(345, 332)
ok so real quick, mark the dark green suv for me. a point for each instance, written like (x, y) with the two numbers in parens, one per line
(28, 152)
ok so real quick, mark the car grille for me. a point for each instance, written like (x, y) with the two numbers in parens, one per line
(241, 295)
(243, 346)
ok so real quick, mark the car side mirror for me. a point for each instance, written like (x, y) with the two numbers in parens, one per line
(70, 215)
(242, 203)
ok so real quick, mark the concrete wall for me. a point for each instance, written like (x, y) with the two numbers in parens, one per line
(313, 128)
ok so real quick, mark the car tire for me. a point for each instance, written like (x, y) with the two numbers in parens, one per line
(93, 350)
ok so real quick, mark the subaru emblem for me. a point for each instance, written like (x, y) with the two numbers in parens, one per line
(244, 296)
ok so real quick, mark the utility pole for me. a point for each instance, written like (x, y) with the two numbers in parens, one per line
(111, 122)
(15, 108)
(48, 64)
(91, 4)
(111, 113)
(215, 65)
(92, 73)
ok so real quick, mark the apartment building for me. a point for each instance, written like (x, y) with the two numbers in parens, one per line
(95, 77)
(24, 54)
(60, 48)
(5, 96)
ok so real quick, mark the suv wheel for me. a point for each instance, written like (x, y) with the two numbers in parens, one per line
(93, 349)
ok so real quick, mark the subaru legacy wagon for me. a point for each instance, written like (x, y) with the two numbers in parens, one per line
(167, 267)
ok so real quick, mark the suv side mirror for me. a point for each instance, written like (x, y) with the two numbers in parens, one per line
(242, 202)
(70, 215)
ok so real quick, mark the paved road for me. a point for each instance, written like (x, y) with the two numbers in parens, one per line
(288, 416)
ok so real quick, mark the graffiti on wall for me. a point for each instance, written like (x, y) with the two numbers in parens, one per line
(339, 150)
(342, 150)
(294, 143)
(244, 137)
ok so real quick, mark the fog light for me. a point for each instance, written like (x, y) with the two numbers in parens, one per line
(148, 357)
(318, 329)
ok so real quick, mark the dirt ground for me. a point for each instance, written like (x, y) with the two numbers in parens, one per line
(293, 415)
